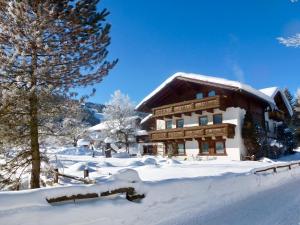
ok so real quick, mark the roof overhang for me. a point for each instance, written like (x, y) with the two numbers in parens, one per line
(273, 91)
(207, 80)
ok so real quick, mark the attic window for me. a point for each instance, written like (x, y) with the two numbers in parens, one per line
(212, 93)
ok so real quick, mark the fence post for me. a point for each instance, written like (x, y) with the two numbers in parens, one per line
(290, 167)
(86, 173)
(274, 169)
(56, 175)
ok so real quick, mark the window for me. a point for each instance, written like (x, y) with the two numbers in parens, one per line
(169, 124)
(211, 93)
(181, 149)
(217, 118)
(220, 148)
(203, 120)
(267, 126)
(180, 123)
(199, 95)
(205, 148)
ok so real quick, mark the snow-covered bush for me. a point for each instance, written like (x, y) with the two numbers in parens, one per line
(287, 137)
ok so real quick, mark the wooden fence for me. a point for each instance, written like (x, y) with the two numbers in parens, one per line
(85, 179)
(275, 167)
(131, 194)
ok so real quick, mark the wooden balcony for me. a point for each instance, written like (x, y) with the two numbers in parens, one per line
(210, 131)
(196, 105)
(276, 115)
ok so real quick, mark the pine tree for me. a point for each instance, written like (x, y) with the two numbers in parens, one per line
(249, 135)
(47, 49)
(296, 120)
(289, 96)
(292, 102)
(286, 136)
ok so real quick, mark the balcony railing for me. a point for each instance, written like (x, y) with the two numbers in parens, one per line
(208, 103)
(217, 130)
(276, 115)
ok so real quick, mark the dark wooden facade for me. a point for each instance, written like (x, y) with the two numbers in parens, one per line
(178, 99)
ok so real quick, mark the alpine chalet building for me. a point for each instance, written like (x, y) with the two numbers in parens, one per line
(198, 116)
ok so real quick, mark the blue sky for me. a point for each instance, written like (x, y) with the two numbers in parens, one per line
(234, 39)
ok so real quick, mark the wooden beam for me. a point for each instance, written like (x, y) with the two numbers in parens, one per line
(188, 139)
(210, 110)
(72, 197)
(178, 115)
(131, 195)
(188, 114)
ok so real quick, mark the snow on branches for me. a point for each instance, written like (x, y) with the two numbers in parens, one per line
(47, 48)
(120, 119)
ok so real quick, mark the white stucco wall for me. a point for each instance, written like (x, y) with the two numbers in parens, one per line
(191, 149)
(235, 147)
(160, 149)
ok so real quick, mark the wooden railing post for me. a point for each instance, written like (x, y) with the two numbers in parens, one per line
(56, 176)
(274, 169)
(86, 173)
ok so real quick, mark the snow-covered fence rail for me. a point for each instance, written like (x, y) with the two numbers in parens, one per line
(125, 181)
(131, 195)
(275, 167)
(57, 174)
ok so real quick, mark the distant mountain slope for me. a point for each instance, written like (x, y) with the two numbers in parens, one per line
(93, 113)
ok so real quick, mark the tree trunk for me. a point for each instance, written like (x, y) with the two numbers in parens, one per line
(75, 142)
(34, 126)
(34, 139)
(126, 143)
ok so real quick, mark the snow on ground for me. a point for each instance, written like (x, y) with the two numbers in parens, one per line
(157, 168)
(175, 201)
(177, 192)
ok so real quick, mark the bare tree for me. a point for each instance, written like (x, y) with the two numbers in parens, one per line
(47, 49)
(120, 119)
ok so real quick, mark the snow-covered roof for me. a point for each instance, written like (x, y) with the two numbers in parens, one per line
(146, 118)
(98, 127)
(210, 79)
(141, 133)
(82, 142)
(106, 124)
(272, 92)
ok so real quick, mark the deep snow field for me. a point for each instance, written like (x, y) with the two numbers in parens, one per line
(177, 192)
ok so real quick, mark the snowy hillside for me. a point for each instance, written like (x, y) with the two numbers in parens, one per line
(94, 113)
